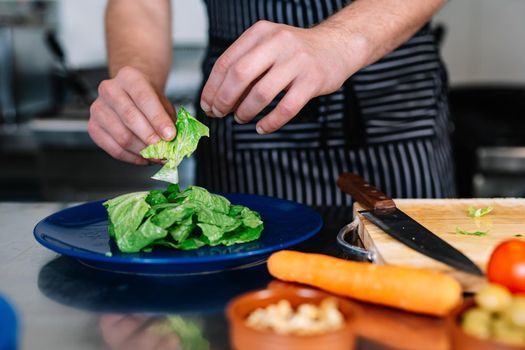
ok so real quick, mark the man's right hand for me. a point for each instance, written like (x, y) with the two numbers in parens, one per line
(130, 114)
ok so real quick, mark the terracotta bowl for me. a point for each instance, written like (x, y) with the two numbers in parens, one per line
(464, 341)
(243, 337)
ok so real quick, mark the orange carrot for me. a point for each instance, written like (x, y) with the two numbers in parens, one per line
(411, 289)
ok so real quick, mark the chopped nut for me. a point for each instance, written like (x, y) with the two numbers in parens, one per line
(308, 319)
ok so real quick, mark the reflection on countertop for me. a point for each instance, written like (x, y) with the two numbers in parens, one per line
(71, 283)
(65, 305)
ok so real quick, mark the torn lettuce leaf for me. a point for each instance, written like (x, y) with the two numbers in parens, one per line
(474, 212)
(460, 231)
(156, 197)
(169, 216)
(250, 218)
(242, 236)
(205, 199)
(183, 230)
(179, 220)
(189, 132)
(126, 213)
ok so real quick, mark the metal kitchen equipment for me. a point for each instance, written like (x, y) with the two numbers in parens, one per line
(382, 211)
(26, 65)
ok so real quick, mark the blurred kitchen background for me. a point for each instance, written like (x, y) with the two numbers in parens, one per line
(52, 57)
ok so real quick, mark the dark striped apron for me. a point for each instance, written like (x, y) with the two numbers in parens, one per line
(388, 122)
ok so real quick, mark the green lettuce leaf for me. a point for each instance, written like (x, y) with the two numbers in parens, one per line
(169, 216)
(189, 132)
(212, 233)
(181, 232)
(250, 218)
(179, 220)
(191, 243)
(159, 207)
(135, 241)
(246, 234)
(460, 231)
(211, 217)
(156, 197)
(201, 197)
(474, 212)
(235, 209)
(126, 213)
(173, 190)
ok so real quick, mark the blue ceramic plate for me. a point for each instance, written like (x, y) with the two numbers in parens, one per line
(81, 232)
(7, 325)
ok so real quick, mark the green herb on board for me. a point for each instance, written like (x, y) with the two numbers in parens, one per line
(474, 212)
(460, 231)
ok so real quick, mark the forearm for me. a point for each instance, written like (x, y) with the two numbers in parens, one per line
(138, 34)
(367, 30)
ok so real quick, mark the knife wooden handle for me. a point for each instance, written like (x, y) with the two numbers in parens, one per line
(364, 193)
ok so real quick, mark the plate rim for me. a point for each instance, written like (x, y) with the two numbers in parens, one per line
(75, 253)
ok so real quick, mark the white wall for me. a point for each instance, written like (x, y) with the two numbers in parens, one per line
(485, 41)
(82, 28)
(82, 31)
(190, 22)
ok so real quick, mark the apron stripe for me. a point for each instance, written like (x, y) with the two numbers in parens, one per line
(399, 101)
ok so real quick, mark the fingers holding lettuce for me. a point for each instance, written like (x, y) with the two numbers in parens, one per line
(128, 115)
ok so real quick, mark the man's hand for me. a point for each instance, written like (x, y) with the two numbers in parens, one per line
(269, 58)
(130, 114)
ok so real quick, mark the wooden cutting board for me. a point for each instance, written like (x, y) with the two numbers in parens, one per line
(442, 216)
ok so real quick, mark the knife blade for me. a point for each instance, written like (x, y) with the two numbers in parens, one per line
(382, 211)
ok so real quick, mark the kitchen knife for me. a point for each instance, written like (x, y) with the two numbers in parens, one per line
(382, 211)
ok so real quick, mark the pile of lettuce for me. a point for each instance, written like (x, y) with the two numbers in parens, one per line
(177, 219)
(182, 220)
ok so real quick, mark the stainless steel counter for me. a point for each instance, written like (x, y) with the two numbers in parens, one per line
(62, 304)
(21, 259)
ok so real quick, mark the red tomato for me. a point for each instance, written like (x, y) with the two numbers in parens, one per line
(507, 265)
